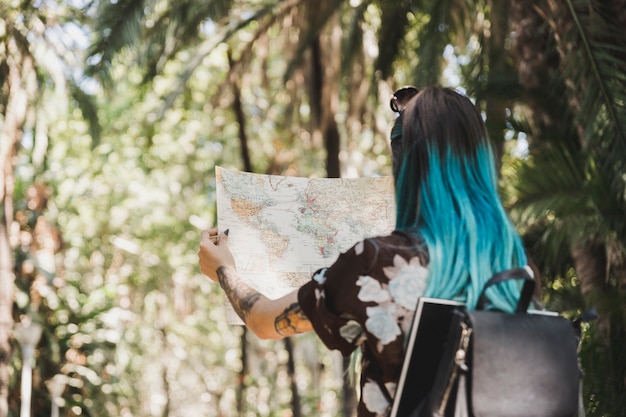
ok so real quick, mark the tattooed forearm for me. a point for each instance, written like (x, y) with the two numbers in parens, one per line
(241, 296)
(292, 321)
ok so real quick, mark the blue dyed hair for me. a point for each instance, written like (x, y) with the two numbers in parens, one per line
(446, 192)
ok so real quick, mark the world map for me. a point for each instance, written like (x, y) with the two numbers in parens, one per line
(282, 229)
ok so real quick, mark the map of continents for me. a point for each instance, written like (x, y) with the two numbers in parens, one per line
(282, 229)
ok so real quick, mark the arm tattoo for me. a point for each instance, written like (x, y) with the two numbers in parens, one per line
(292, 321)
(241, 296)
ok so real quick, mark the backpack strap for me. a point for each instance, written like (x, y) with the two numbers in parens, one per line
(528, 289)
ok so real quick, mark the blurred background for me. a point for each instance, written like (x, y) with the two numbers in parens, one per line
(113, 115)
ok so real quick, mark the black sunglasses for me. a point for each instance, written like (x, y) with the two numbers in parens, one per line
(401, 97)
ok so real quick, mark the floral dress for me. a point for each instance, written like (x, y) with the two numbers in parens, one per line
(367, 297)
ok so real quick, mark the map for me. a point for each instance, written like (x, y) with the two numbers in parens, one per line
(282, 229)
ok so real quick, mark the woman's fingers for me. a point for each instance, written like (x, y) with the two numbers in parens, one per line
(214, 252)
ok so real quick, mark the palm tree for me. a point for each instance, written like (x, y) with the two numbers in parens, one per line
(27, 63)
(17, 75)
(572, 189)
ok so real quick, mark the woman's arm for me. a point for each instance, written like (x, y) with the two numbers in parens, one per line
(268, 319)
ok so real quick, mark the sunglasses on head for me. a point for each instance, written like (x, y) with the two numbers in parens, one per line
(401, 97)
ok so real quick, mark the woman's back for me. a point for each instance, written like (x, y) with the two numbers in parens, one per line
(452, 235)
(446, 192)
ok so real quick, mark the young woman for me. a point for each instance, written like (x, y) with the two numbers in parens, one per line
(452, 234)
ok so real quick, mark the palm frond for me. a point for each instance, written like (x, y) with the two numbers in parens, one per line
(563, 191)
(89, 109)
(208, 45)
(156, 35)
(593, 55)
(447, 20)
(176, 28)
(118, 26)
(553, 208)
(552, 182)
(547, 243)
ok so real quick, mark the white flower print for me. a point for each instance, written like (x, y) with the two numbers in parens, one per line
(382, 324)
(319, 295)
(359, 247)
(351, 331)
(320, 276)
(371, 290)
(374, 399)
(407, 281)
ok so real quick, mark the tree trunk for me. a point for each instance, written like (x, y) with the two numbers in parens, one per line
(296, 410)
(591, 264)
(6, 276)
(330, 99)
(16, 104)
(243, 372)
(498, 73)
(6, 302)
(324, 85)
(323, 111)
(240, 116)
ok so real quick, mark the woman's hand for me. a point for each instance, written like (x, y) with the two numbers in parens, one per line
(214, 252)
(268, 319)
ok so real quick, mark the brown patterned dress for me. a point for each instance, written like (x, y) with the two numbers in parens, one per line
(367, 298)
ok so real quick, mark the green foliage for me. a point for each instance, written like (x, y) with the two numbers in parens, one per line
(595, 80)
(605, 364)
(129, 318)
(570, 195)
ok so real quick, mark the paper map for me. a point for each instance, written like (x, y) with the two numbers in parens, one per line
(282, 229)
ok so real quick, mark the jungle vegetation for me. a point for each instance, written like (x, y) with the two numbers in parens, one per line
(113, 115)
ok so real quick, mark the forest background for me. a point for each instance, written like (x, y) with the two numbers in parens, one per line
(113, 115)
